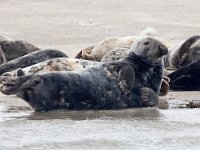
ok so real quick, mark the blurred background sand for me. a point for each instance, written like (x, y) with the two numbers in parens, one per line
(70, 25)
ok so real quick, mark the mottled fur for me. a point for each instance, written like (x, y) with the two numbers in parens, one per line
(54, 64)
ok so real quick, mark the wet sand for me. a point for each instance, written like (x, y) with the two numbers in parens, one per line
(73, 24)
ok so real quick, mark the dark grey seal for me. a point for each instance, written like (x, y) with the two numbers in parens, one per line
(16, 48)
(186, 78)
(185, 54)
(30, 59)
(120, 53)
(131, 82)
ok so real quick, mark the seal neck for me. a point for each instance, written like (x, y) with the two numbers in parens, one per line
(143, 61)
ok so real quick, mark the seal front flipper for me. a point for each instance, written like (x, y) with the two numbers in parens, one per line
(126, 78)
(125, 74)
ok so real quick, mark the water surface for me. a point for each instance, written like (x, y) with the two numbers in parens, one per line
(144, 129)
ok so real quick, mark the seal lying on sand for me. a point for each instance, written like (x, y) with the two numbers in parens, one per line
(30, 59)
(186, 78)
(96, 51)
(16, 48)
(132, 82)
(185, 54)
(68, 64)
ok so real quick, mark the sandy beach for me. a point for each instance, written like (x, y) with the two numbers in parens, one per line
(73, 24)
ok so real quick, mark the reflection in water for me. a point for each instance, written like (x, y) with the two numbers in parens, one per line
(98, 114)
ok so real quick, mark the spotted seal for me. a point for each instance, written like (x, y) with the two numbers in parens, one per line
(183, 54)
(132, 82)
(186, 78)
(54, 64)
(30, 59)
(16, 48)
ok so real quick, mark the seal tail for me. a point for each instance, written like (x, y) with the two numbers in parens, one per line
(185, 49)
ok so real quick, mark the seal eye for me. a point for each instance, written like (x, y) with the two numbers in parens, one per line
(146, 43)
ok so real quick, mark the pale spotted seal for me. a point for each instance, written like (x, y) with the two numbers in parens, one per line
(96, 51)
(131, 82)
(54, 64)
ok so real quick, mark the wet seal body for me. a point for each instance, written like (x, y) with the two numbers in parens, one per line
(16, 48)
(186, 78)
(132, 82)
(184, 54)
(30, 59)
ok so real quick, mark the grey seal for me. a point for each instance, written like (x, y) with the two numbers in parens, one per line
(16, 48)
(96, 51)
(30, 59)
(131, 82)
(184, 54)
(186, 78)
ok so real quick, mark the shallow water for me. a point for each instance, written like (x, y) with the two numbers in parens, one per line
(148, 128)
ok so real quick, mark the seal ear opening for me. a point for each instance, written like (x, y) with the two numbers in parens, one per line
(185, 49)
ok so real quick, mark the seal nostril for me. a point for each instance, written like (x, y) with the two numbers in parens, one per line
(163, 50)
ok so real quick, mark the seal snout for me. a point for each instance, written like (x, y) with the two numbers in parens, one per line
(163, 49)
